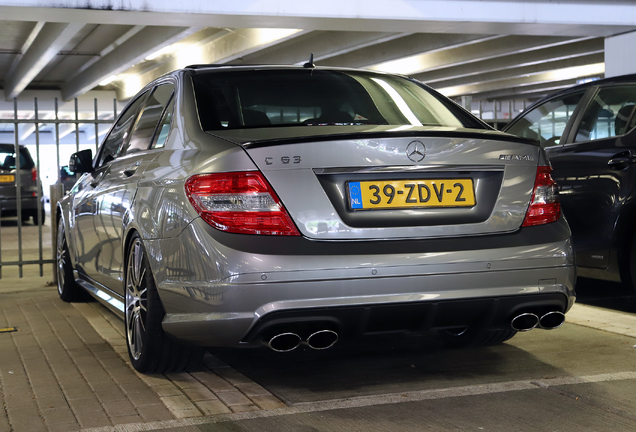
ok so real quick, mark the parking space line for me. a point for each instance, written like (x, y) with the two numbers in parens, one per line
(365, 401)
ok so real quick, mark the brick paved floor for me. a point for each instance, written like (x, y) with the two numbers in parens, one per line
(66, 368)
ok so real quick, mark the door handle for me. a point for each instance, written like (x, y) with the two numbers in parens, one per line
(622, 159)
(131, 170)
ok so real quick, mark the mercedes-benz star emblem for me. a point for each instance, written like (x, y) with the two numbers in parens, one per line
(416, 151)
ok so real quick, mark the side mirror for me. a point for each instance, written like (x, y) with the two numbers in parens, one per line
(81, 162)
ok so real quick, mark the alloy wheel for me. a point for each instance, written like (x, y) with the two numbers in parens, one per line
(136, 300)
(61, 258)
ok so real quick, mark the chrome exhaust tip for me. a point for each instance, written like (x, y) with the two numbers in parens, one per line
(322, 339)
(524, 322)
(284, 342)
(552, 320)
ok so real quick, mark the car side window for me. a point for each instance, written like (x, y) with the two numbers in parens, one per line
(117, 137)
(608, 114)
(146, 125)
(547, 121)
(161, 135)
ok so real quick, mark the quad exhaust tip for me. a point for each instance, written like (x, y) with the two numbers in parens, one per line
(524, 322)
(548, 321)
(284, 342)
(322, 339)
(552, 320)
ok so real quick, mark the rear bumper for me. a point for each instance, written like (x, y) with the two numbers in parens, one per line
(219, 295)
(8, 206)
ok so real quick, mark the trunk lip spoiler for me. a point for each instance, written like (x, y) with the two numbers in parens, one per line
(496, 136)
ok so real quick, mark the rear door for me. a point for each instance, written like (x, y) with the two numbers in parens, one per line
(118, 186)
(92, 240)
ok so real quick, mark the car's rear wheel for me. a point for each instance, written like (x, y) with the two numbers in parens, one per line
(475, 336)
(68, 290)
(149, 348)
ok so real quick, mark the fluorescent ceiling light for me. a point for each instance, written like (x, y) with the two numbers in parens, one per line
(157, 53)
(108, 80)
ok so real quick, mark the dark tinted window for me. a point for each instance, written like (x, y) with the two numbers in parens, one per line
(547, 121)
(608, 114)
(150, 116)
(266, 98)
(8, 159)
(119, 133)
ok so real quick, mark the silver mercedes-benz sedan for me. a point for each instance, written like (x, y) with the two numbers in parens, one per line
(238, 206)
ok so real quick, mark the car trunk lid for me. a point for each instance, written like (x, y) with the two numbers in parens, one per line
(381, 183)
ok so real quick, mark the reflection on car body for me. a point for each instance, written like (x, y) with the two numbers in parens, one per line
(221, 205)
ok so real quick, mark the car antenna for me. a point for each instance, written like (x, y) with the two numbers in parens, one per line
(310, 64)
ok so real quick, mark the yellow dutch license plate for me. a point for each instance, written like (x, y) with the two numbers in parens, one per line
(395, 194)
(7, 178)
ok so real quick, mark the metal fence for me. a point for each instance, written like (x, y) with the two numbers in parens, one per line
(81, 126)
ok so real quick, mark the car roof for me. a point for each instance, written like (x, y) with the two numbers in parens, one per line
(604, 81)
(7, 147)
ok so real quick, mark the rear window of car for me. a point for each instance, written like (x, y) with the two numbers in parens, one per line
(275, 98)
(8, 159)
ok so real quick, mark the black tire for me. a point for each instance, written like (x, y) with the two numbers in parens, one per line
(149, 348)
(34, 215)
(68, 290)
(475, 336)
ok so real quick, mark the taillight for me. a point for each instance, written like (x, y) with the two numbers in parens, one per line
(34, 174)
(545, 206)
(239, 202)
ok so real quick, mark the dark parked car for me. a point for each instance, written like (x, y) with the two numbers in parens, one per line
(28, 184)
(280, 206)
(588, 133)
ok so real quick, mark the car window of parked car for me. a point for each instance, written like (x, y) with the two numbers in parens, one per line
(146, 125)
(608, 114)
(276, 98)
(161, 135)
(117, 137)
(547, 121)
(8, 159)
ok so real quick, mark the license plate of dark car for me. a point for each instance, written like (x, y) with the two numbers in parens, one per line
(396, 194)
(7, 178)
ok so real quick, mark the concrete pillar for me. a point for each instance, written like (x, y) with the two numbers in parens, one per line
(619, 55)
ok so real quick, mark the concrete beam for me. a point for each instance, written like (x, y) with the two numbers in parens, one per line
(222, 47)
(469, 53)
(567, 18)
(529, 92)
(579, 72)
(323, 44)
(514, 60)
(46, 45)
(133, 50)
(402, 47)
(523, 71)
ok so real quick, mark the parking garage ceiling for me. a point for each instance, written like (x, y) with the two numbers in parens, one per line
(484, 49)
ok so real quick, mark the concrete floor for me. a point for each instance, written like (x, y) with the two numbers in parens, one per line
(66, 368)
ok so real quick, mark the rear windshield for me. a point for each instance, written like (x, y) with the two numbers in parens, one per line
(274, 98)
(8, 159)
